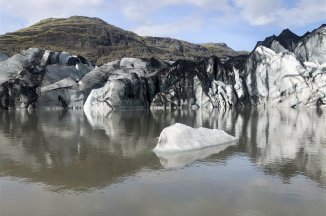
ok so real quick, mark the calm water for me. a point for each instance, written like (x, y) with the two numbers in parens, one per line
(69, 163)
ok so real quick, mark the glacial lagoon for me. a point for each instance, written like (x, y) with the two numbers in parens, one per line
(72, 163)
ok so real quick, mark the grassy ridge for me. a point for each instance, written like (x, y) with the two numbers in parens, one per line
(101, 42)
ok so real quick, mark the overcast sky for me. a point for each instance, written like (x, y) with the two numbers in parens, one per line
(239, 23)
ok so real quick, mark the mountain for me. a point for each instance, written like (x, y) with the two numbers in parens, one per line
(221, 50)
(286, 40)
(89, 37)
(309, 47)
(174, 49)
(101, 42)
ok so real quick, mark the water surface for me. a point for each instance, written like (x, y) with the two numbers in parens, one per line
(71, 163)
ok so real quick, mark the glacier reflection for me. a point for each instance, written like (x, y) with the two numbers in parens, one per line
(71, 150)
(288, 142)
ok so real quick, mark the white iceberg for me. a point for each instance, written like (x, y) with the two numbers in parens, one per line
(180, 137)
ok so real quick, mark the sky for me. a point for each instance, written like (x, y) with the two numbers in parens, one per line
(238, 23)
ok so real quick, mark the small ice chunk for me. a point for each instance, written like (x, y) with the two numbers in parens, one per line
(180, 137)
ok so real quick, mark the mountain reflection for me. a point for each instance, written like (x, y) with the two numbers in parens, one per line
(77, 151)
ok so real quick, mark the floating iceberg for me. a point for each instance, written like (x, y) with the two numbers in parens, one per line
(180, 137)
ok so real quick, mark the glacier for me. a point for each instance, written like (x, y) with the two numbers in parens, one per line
(285, 70)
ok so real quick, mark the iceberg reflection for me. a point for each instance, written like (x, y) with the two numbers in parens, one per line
(180, 159)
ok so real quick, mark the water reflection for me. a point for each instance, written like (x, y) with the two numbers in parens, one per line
(62, 150)
(287, 142)
(181, 159)
(71, 150)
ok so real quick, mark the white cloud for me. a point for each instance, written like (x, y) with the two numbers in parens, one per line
(259, 12)
(274, 12)
(186, 25)
(143, 11)
(306, 11)
(35, 10)
(139, 14)
(254, 12)
(140, 9)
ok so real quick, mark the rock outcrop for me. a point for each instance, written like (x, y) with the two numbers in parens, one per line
(286, 40)
(222, 50)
